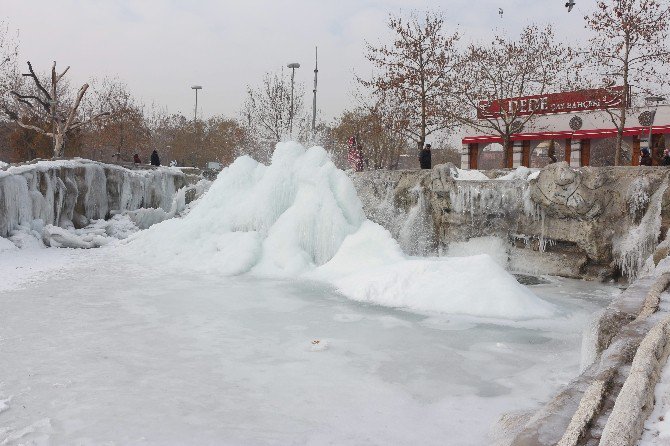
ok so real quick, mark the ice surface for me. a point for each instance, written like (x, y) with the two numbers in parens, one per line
(109, 351)
(7, 245)
(301, 217)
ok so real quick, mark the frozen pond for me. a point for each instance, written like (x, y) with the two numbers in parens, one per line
(100, 351)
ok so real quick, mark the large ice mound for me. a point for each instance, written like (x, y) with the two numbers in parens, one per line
(300, 216)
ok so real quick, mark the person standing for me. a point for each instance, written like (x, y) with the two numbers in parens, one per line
(666, 157)
(155, 160)
(425, 158)
(354, 155)
(645, 159)
(136, 159)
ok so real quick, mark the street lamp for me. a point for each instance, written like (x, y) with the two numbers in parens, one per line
(316, 73)
(292, 66)
(196, 88)
(195, 119)
(655, 99)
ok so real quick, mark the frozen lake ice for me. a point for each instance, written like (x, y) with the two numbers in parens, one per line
(97, 350)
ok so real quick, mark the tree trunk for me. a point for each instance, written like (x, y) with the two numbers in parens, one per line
(624, 105)
(507, 152)
(59, 145)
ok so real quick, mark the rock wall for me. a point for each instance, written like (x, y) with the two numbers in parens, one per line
(73, 192)
(586, 223)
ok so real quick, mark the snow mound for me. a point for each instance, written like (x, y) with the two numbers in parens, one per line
(7, 245)
(300, 216)
(520, 173)
(468, 175)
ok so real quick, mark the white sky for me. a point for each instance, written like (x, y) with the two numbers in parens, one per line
(162, 47)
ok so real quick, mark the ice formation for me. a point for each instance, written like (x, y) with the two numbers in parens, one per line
(301, 217)
(633, 248)
(69, 203)
(72, 192)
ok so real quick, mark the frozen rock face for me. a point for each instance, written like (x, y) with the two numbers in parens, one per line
(70, 194)
(588, 222)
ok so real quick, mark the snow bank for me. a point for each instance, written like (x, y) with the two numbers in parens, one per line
(301, 217)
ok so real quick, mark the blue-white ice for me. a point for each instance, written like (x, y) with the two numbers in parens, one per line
(98, 350)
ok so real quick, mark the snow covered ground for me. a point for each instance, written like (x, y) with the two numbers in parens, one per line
(100, 351)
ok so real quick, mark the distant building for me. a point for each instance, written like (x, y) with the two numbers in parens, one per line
(549, 135)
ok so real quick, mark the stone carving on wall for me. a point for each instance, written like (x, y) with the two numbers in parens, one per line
(567, 193)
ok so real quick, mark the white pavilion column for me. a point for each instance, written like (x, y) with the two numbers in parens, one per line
(576, 153)
(465, 156)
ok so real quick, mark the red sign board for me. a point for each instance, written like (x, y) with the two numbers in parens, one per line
(572, 101)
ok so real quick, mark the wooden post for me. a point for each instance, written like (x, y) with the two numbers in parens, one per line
(586, 152)
(473, 153)
(509, 155)
(525, 157)
(568, 146)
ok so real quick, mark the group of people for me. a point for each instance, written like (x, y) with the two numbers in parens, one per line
(645, 159)
(155, 160)
(357, 162)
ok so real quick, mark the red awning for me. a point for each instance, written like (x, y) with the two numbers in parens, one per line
(581, 134)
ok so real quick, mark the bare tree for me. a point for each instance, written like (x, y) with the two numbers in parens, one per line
(8, 74)
(415, 75)
(380, 146)
(629, 47)
(267, 109)
(535, 64)
(125, 131)
(45, 105)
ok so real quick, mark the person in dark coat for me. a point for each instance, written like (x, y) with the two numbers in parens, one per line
(425, 157)
(666, 157)
(136, 159)
(155, 161)
(645, 159)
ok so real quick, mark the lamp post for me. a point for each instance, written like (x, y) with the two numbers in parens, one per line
(316, 73)
(656, 100)
(195, 119)
(196, 88)
(292, 66)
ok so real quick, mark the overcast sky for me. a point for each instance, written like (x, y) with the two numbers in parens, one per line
(162, 47)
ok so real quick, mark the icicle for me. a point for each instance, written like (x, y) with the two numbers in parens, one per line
(632, 249)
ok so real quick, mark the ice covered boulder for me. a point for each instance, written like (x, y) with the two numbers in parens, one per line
(73, 192)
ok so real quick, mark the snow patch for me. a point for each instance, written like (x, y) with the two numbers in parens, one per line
(468, 175)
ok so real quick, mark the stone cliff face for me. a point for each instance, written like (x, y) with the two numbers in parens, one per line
(588, 222)
(71, 193)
